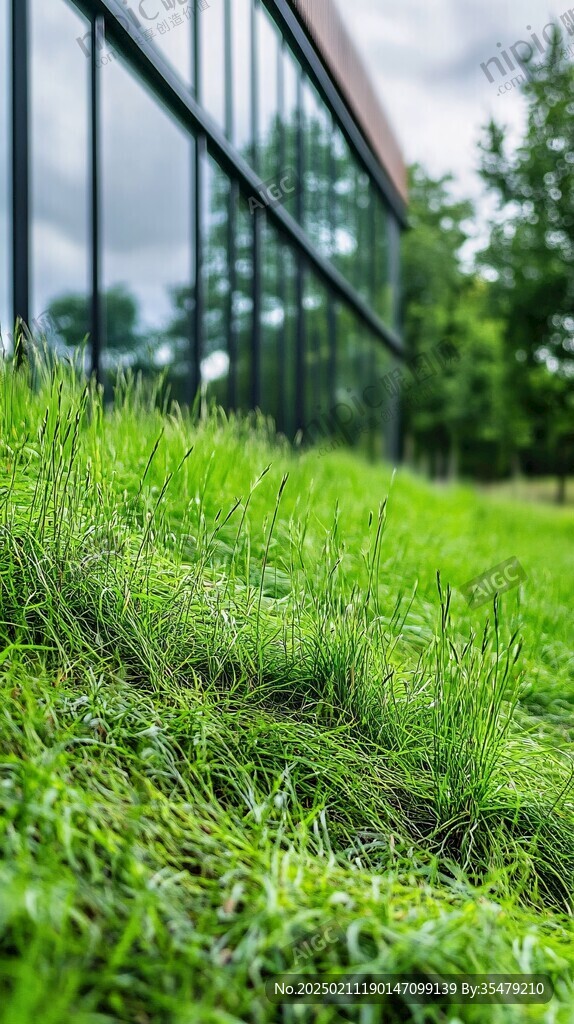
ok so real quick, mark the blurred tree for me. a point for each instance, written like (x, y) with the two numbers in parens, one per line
(70, 319)
(457, 423)
(530, 257)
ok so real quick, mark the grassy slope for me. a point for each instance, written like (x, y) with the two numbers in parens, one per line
(233, 713)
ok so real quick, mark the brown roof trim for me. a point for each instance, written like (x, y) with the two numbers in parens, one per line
(325, 26)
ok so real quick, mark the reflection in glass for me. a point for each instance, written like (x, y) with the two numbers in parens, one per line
(5, 301)
(215, 360)
(384, 408)
(394, 272)
(363, 396)
(146, 231)
(241, 61)
(383, 301)
(318, 346)
(243, 304)
(267, 36)
(59, 171)
(288, 342)
(317, 185)
(272, 321)
(347, 420)
(365, 238)
(345, 229)
(212, 67)
(291, 75)
(170, 32)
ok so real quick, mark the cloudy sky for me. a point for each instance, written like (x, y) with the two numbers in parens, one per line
(425, 58)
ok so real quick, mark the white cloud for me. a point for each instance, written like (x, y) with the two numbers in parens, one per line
(424, 60)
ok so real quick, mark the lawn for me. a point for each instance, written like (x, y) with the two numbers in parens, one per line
(250, 724)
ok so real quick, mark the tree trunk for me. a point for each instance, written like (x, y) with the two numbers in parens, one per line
(561, 489)
(516, 468)
(453, 459)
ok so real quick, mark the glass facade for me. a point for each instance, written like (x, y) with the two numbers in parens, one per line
(145, 227)
(5, 224)
(59, 191)
(197, 206)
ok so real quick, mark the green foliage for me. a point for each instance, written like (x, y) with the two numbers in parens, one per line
(462, 423)
(235, 706)
(531, 257)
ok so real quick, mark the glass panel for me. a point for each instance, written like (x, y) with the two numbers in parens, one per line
(395, 271)
(168, 26)
(268, 128)
(5, 299)
(288, 284)
(383, 292)
(215, 356)
(272, 319)
(345, 231)
(316, 148)
(365, 355)
(384, 409)
(347, 419)
(211, 27)
(147, 225)
(243, 304)
(365, 238)
(318, 398)
(59, 174)
(363, 411)
(241, 57)
(291, 76)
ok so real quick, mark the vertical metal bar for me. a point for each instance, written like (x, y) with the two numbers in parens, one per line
(194, 314)
(254, 87)
(231, 317)
(200, 240)
(20, 163)
(229, 130)
(300, 411)
(256, 294)
(283, 390)
(300, 157)
(281, 102)
(96, 313)
(193, 69)
(331, 206)
(233, 199)
(396, 439)
(332, 329)
(196, 53)
(373, 245)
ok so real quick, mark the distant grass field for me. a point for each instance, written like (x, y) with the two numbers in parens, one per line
(249, 723)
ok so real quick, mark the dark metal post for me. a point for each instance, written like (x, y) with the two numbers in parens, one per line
(200, 241)
(98, 28)
(300, 411)
(256, 333)
(231, 311)
(254, 88)
(228, 71)
(20, 163)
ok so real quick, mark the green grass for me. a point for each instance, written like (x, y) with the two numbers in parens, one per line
(242, 698)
